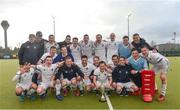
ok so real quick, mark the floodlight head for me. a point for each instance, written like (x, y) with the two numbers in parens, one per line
(5, 24)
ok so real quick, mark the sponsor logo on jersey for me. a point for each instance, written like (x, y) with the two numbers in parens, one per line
(71, 70)
(126, 72)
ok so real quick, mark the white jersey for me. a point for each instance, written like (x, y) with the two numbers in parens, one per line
(87, 49)
(100, 50)
(154, 57)
(24, 79)
(112, 49)
(48, 46)
(101, 76)
(48, 54)
(87, 69)
(47, 72)
(111, 64)
(76, 53)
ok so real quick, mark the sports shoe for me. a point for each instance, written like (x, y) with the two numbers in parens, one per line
(21, 98)
(59, 97)
(161, 98)
(65, 92)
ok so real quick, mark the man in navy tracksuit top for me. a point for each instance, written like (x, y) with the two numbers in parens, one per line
(63, 53)
(69, 75)
(29, 51)
(121, 78)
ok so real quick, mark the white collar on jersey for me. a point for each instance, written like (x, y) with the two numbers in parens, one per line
(137, 59)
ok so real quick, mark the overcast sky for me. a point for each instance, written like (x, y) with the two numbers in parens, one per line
(153, 19)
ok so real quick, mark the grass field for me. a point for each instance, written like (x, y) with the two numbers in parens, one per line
(8, 99)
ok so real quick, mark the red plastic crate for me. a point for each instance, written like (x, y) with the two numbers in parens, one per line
(148, 82)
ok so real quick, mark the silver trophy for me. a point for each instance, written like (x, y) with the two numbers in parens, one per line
(103, 98)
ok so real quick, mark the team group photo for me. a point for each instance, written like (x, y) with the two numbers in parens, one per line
(95, 69)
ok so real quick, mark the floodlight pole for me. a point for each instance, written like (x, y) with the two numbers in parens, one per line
(54, 24)
(174, 33)
(129, 14)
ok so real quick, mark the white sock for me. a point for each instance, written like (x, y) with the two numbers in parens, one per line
(80, 85)
(58, 89)
(156, 88)
(163, 89)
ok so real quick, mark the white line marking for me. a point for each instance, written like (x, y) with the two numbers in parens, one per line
(108, 102)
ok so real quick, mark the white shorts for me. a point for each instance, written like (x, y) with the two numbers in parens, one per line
(106, 84)
(87, 81)
(24, 86)
(127, 85)
(162, 66)
(45, 85)
(68, 82)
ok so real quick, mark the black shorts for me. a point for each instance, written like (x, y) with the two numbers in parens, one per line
(35, 78)
(136, 78)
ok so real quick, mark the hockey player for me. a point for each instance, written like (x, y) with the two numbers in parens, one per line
(87, 69)
(121, 78)
(160, 64)
(68, 75)
(24, 82)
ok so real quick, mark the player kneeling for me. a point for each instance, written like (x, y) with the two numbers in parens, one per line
(24, 79)
(102, 80)
(67, 76)
(121, 78)
(87, 69)
(47, 76)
